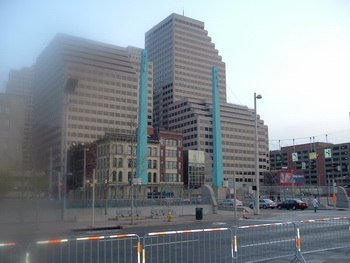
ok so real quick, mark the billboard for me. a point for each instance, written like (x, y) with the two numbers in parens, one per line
(290, 177)
(196, 157)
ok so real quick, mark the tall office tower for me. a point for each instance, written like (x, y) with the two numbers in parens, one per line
(20, 83)
(83, 90)
(12, 115)
(183, 56)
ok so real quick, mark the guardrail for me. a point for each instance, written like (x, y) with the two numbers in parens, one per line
(259, 242)
(10, 252)
(252, 243)
(113, 248)
(188, 246)
(324, 234)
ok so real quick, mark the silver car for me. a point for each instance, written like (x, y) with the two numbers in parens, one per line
(230, 202)
(265, 203)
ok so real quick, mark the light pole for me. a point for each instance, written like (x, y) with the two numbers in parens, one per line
(256, 157)
(58, 182)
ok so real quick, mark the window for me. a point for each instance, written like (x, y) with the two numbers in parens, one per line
(120, 176)
(120, 149)
(154, 177)
(154, 151)
(114, 175)
(149, 164)
(120, 162)
(129, 149)
(149, 177)
(155, 164)
(114, 148)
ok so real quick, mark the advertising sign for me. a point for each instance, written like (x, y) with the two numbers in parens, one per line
(289, 178)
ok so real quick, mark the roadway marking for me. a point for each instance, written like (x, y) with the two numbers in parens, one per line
(269, 243)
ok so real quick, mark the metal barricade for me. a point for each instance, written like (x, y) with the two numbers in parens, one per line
(11, 252)
(102, 249)
(189, 246)
(263, 242)
(324, 234)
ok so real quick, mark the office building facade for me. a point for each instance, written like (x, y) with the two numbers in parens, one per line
(12, 116)
(83, 90)
(322, 163)
(183, 56)
(21, 84)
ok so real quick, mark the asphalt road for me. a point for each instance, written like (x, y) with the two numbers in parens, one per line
(265, 241)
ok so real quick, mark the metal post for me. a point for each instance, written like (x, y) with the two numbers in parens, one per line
(235, 196)
(84, 175)
(64, 175)
(93, 197)
(334, 188)
(132, 202)
(50, 186)
(256, 157)
(58, 184)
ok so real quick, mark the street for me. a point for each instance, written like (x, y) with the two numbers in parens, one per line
(169, 243)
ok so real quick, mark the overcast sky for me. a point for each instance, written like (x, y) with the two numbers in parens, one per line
(295, 53)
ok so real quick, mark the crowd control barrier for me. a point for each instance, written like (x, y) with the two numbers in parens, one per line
(189, 246)
(324, 234)
(11, 252)
(256, 243)
(102, 249)
(252, 243)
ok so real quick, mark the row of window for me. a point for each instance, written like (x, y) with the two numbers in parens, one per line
(100, 73)
(171, 142)
(173, 165)
(118, 177)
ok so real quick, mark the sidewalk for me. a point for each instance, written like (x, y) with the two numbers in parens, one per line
(15, 231)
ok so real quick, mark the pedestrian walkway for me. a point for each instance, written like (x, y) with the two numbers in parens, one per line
(12, 232)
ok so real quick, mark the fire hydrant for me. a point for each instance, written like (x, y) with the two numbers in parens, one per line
(170, 216)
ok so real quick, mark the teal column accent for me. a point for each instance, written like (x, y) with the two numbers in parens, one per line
(141, 153)
(217, 141)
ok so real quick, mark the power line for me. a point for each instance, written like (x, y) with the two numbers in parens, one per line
(273, 142)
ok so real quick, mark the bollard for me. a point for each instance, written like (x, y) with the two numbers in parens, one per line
(169, 217)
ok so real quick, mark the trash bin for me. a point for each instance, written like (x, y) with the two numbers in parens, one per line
(199, 213)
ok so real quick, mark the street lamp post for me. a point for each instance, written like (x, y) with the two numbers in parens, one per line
(256, 157)
(58, 182)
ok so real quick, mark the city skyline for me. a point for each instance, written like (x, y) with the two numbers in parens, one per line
(293, 54)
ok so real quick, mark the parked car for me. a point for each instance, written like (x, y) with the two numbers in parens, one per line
(265, 203)
(293, 204)
(185, 200)
(230, 202)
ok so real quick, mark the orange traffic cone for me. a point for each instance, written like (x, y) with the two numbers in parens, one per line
(244, 216)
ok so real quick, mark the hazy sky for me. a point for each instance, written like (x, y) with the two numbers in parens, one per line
(295, 53)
